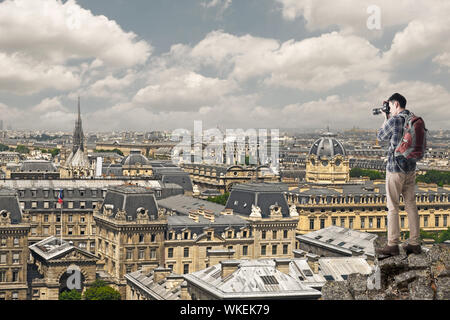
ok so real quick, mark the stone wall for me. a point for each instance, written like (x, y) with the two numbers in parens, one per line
(424, 276)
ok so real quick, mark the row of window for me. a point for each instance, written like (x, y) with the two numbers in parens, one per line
(70, 218)
(66, 193)
(56, 205)
(285, 249)
(378, 222)
(141, 253)
(14, 296)
(274, 234)
(14, 276)
(4, 258)
(4, 242)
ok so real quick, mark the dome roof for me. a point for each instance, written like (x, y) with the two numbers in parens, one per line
(327, 146)
(135, 158)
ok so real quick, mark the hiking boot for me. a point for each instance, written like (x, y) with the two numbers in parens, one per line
(388, 251)
(409, 248)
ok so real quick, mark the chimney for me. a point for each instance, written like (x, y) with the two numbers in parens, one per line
(173, 280)
(209, 215)
(282, 265)
(313, 262)
(228, 267)
(160, 273)
(146, 269)
(193, 214)
(184, 294)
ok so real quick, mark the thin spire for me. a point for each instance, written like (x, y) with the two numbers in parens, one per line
(79, 112)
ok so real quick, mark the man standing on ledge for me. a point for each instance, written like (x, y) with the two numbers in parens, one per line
(399, 180)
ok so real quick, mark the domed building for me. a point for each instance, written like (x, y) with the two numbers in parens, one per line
(327, 161)
(136, 164)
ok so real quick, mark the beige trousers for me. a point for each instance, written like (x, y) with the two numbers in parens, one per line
(402, 183)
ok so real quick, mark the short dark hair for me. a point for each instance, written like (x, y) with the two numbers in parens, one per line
(399, 98)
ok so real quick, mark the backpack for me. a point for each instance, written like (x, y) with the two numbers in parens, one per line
(413, 145)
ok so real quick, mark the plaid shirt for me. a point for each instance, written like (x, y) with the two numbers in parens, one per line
(393, 131)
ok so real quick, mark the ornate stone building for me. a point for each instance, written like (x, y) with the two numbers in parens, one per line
(13, 247)
(327, 162)
(223, 177)
(56, 266)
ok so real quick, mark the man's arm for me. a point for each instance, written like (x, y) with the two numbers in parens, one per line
(387, 129)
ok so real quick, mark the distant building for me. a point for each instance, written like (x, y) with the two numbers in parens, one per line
(35, 170)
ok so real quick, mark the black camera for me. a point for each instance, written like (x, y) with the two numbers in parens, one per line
(385, 108)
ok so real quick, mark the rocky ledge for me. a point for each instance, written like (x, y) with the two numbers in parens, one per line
(424, 276)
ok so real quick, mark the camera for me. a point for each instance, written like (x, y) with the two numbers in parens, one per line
(385, 108)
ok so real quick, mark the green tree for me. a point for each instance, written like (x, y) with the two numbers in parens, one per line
(70, 295)
(120, 153)
(222, 199)
(435, 176)
(372, 174)
(22, 149)
(101, 291)
(3, 147)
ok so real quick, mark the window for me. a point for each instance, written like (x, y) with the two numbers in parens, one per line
(58, 218)
(170, 236)
(141, 254)
(34, 218)
(333, 221)
(445, 221)
(3, 242)
(186, 252)
(342, 222)
(70, 231)
(311, 224)
(70, 218)
(15, 276)
(45, 231)
(436, 221)
(70, 205)
(263, 234)
(82, 205)
(274, 234)
(16, 241)
(362, 222)
(15, 295)
(263, 250)
(33, 231)
(153, 238)
(245, 250)
(274, 249)
(402, 222)
(244, 234)
(370, 222)
(229, 234)
(82, 231)
(285, 248)
(425, 221)
(2, 276)
(322, 223)
(3, 258)
(208, 236)
(82, 219)
(285, 234)
(385, 221)
(141, 238)
(186, 268)
(152, 253)
(46, 205)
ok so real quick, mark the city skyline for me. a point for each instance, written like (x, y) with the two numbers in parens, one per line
(160, 66)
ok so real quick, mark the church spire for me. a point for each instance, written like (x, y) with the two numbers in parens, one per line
(78, 136)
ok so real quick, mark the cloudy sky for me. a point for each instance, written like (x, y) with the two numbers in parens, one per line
(161, 64)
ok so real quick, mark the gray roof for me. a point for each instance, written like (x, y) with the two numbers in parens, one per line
(134, 158)
(340, 267)
(327, 146)
(131, 198)
(10, 203)
(159, 291)
(37, 166)
(263, 195)
(53, 247)
(344, 240)
(253, 279)
(183, 204)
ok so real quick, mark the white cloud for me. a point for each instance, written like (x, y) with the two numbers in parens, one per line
(20, 74)
(45, 44)
(180, 89)
(351, 16)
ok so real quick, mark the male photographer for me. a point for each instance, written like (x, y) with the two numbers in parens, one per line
(400, 179)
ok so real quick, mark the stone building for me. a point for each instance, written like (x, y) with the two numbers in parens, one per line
(36, 169)
(14, 230)
(130, 232)
(54, 262)
(327, 162)
(223, 177)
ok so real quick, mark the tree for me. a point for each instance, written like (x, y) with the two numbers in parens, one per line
(22, 149)
(3, 147)
(435, 176)
(120, 153)
(101, 291)
(372, 174)
(70, 295)
(222, 199)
